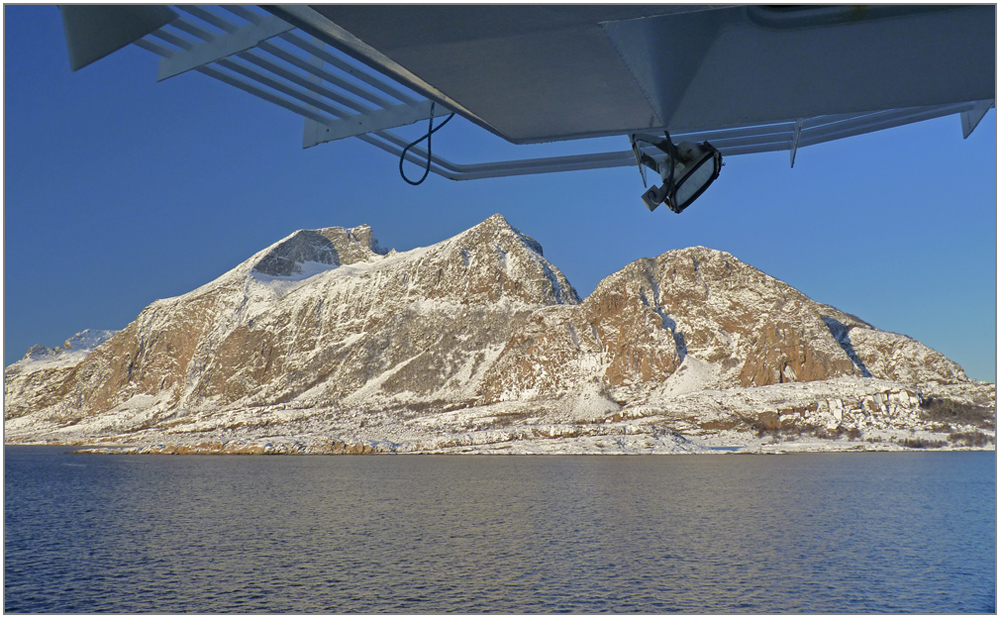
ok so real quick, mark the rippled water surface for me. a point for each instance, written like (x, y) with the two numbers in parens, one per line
(859, 532)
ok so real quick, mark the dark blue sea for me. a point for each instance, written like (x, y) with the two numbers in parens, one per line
(830, 533)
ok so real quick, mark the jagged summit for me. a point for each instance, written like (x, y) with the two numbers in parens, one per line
(307, 252)
(290, 255)
(494, 260)
(497, 226)
(356, 244)
(78, 344)
(331, 247)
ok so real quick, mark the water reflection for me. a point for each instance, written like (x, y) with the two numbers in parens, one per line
(812, 533)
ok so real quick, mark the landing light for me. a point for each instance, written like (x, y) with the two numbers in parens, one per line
(687, 169)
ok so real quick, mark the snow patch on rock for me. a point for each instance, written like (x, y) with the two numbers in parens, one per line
(73, 351)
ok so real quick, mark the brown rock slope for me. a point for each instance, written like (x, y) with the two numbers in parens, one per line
(642, 322)
(318, 317)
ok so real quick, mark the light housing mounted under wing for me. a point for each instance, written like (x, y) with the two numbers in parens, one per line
(686, 169)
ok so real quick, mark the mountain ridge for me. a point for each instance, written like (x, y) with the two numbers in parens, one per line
(329, 323)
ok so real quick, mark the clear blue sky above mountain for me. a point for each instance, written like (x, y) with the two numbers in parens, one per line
(120, 190)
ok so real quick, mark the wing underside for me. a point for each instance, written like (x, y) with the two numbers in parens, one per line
(748, 79)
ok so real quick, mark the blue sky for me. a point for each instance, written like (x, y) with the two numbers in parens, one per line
(119, 190)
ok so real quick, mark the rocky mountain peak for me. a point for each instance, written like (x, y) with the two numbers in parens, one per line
(84, 342)
(497, 228)
(702, 307)
(493, 260)
(356, 244)
(288, 256)
(332, 246)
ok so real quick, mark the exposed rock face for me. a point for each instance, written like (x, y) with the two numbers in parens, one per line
(330, 246)
(328, 323)
(300, 248)
(753, 330)
(44, 376)
(370, 326)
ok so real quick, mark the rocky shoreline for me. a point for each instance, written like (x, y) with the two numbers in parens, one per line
(846, 414)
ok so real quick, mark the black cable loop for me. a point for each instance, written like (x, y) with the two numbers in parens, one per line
(431, 129)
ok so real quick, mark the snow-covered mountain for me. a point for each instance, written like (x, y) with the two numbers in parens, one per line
(326, 341)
